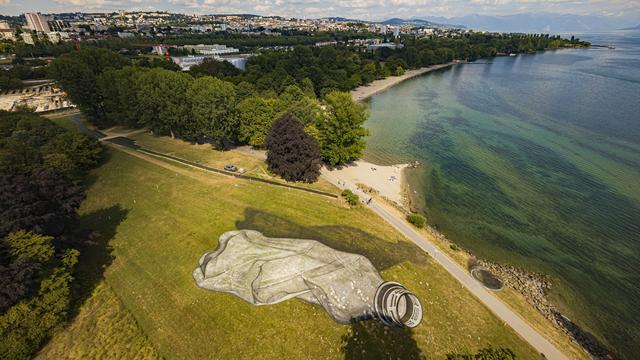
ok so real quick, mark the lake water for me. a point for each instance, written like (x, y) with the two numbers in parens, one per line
(534, 160)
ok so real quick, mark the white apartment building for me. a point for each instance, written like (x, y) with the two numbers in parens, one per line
(37, 22)
(186, 62)
(214, 49)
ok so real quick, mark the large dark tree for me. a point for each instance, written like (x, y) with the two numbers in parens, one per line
(292, 153)
(43, 202)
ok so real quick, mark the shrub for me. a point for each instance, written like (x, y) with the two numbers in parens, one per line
(350, 197)
(417, 220)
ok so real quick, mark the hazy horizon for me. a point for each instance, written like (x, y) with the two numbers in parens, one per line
(368, 10)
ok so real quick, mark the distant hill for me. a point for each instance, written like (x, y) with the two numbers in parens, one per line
(418, 22)
(536, 22)
(338, 18)
(637, 27)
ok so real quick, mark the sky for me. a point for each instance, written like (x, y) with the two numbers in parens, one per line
(358, 9)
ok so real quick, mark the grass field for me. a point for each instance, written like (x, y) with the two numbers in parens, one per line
(106, 330)
(159, 220)
(204, 154)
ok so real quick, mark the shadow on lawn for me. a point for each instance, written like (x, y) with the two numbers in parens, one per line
(96, 230)
(381, 253)
(372, 340)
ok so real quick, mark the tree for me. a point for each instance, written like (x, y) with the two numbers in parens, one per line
(306, 109)
(119, 90)
(368, 73)
(213, 67)
(341, 131)
(256, 116)
(77, 74)
(30, 143)
(26, 325)
(162, 100)
(351, 198)
(417, 220)
(292, 153)
(213, 105)
(22, 254)
(43, 202)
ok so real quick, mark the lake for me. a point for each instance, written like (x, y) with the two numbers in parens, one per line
(533, 160)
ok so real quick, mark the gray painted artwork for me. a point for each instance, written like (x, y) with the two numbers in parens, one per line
(263, 271)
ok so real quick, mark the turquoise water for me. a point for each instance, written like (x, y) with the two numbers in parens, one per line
(534, 160)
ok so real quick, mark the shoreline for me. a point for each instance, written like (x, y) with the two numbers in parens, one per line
(534, 287)
(366, 91)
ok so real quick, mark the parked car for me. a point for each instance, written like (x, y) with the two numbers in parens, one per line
(231, 168)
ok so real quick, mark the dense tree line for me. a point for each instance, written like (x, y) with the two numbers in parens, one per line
(204, 108)
(344, 67)
(12, 78)
(244, 42)
(41, 168)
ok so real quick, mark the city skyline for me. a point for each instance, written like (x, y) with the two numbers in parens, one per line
(357, 9)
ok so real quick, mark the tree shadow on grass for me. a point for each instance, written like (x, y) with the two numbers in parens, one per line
(96, 230)
(382, 254)
(372, 340)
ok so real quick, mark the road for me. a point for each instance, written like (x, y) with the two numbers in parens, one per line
(519, 325)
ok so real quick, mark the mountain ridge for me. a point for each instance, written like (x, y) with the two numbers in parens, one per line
(533, 22)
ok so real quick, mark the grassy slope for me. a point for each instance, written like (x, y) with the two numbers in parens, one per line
(102, 330)
(168, 218)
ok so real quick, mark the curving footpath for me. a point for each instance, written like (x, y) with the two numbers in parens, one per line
(528, 333)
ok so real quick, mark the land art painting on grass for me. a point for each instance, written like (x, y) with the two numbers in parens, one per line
(172, 216)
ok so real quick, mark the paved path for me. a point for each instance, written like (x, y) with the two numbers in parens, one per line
(537, 341)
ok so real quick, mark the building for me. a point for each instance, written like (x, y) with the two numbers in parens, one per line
(57, 36)
(58, 25)
(210, 49)
(6, 32)
(37, 22)
(124, 35)
(186, 62)
(374, 47)
(27, 38)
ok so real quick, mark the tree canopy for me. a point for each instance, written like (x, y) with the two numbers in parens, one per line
(341, 130)
(292, 153)
(77, 74)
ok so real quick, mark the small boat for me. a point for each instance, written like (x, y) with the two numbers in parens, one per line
(512, 54)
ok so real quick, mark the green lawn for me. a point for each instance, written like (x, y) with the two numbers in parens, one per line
(159, 221)
(103, 329)
(205, 155)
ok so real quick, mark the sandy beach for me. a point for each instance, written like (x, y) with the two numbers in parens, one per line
(387, 180)
(366, 91)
